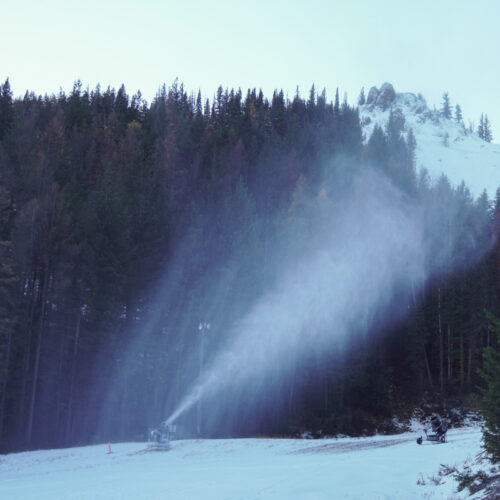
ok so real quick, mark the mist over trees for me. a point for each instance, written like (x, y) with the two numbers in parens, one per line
(100, 195)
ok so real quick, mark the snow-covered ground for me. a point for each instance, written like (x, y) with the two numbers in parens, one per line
(381, 467)
(443, 146)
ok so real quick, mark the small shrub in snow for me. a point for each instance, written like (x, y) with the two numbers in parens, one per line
(436, 480)
(421, 480)
(471, 480)
(446, 470)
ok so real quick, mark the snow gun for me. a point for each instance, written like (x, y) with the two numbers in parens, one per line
(439, 430)
(159, 438)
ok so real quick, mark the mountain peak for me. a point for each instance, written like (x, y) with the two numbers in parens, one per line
(386, 97)
(382, 98)
(444, 146)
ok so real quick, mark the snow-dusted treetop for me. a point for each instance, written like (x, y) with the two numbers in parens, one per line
(444, 146)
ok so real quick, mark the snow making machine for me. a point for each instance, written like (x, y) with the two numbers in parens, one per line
(439, 430)
(159, 438)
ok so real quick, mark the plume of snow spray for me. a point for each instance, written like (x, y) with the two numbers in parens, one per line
(366, 250)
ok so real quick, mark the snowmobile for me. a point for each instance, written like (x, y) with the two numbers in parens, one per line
(159, 438)
(439, 430)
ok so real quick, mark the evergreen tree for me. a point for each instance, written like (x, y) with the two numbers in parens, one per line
(377, 148)
(6, 108)
(311, 103)
(199, 110)
(487, 136)
(336, 106)
(206, 110)
(362, 98)
(480, 128)
(489, 403)
(321, 106)
(446, 107)
(278, 112)
(458, 114)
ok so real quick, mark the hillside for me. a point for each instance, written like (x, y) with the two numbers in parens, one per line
(348, 291)
(443, 146)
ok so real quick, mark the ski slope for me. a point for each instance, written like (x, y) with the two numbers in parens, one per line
(387, 467)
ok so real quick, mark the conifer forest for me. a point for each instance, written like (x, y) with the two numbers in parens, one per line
(127, 228)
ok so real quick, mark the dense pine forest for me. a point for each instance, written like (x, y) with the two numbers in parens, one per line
(117, 216)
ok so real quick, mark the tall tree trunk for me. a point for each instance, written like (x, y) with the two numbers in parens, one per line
(325, 392)
(441, 347)
(470, 362)
(427, 367)
(59, 404)
(123, 413)
(45, 286)
(5, 376)
(178, 371)
(27, 358)
(291, 393)
(69, 421)
(462, 373)
(200, 399)
(341, 384)
(450, 349)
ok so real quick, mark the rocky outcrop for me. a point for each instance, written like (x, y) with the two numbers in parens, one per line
(411, 101)
(386, 96)
(382, 98)
(372, 96)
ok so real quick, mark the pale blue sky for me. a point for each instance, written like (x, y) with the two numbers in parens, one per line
(425, 46)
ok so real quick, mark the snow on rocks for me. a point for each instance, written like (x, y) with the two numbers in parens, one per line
(382, 98)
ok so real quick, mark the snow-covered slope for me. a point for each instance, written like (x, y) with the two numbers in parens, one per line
(443, 146)
(389, 467)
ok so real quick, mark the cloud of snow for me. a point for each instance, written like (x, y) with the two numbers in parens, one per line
(357, 258)
(368, 246)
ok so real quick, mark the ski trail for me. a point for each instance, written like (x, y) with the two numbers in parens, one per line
(341, 447)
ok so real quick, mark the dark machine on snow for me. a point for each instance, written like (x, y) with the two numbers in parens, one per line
(439, 430)
(159, 438)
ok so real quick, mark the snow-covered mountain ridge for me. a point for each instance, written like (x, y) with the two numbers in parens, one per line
(443, 145)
